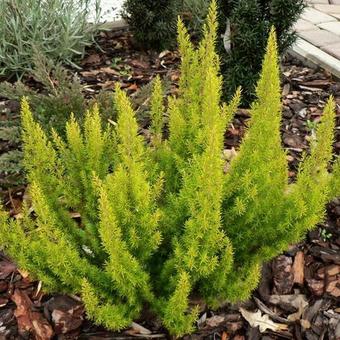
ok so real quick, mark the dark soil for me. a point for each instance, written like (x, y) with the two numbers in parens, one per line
(299, 291)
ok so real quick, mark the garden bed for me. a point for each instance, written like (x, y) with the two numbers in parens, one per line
(300, 289)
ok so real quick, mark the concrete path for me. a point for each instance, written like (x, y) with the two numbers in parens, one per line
(110, 9)
(319, 35)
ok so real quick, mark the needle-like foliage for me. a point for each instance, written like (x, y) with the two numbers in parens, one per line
(153, 22)
(58, 29)
(245, 25)
(158, 222)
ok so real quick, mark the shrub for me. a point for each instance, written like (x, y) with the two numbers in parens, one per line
(57, 29)
(61, 94)
(335, 184)
(250, 22)
(10, 156)
(195, 11)
(163, 220)
(153, 22)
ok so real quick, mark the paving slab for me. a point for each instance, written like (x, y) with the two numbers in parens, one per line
(325, 2)
(319, 47)
(110, 10)
(315, 57)
(336, 16)
(333, 27)
(333, 49)
(320, 37)
(329, 9)
(316, 17)
(303, 25)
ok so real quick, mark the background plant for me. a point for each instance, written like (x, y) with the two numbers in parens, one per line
(249, 23)
(194, 14)
(164, 220)
(11, 171)
(58, 29)
(57, 94)
(153, 22)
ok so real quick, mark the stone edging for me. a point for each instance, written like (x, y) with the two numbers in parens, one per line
(314, 56)
(115, 25)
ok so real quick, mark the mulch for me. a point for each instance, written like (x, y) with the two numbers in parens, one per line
(299, 295)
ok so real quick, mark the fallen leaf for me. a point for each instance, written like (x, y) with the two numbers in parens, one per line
(137, 329)
(256, 319)
(202, 320)
(163, 54)
(269, 312)
(214, 321)
(28, 319)
(297, 301)
(66, 312)
(64, 322)
(140, 329)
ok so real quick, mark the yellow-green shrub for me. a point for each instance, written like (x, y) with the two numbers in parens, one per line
(162, 220)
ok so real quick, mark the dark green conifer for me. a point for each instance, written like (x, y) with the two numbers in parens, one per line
(249, 23)
(153, 22)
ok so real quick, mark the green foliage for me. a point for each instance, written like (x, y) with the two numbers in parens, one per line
(165, 220)
(250, 23)
(62, 94)
(10, 153)
(11, 170)
(195, 11)
(153, 22)
(58, 29)
(335, 183)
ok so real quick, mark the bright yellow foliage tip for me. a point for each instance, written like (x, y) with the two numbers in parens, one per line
(163, 219)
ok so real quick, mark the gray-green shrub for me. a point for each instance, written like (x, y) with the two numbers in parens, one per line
(58, 29)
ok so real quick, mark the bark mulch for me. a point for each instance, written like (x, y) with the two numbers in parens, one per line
(299, 294)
